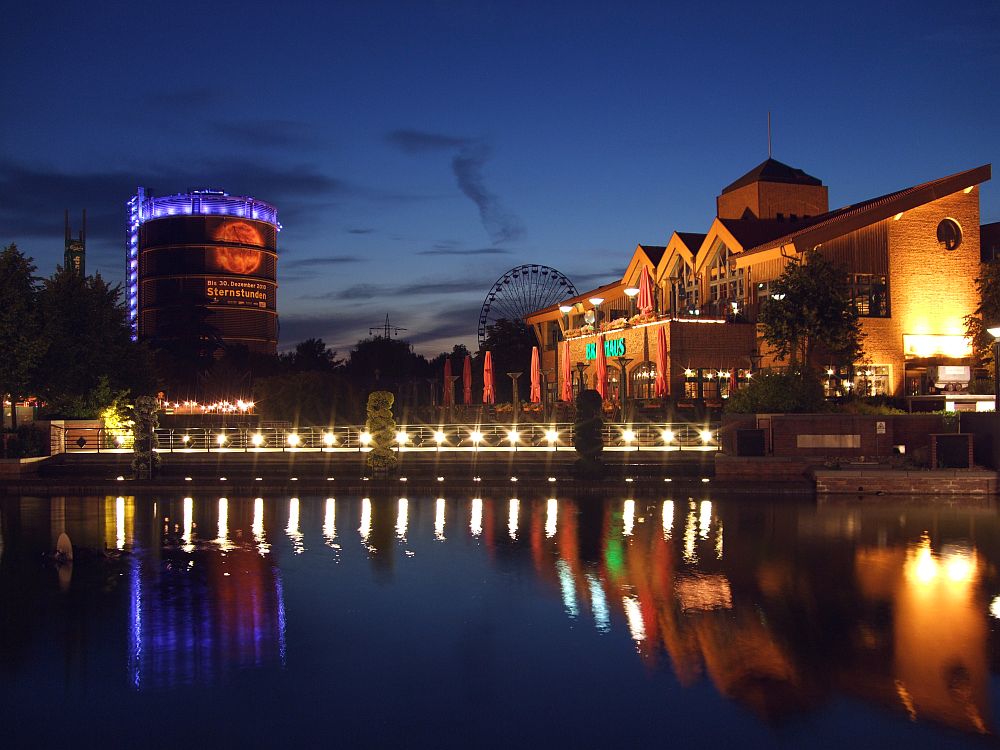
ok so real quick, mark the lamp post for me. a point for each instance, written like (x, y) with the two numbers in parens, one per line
(631, 293)
(623, 385)
(581, 366)
(515, 396)
(596, 302)
(565, 310)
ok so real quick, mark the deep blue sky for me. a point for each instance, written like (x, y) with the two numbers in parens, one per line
(416, 151)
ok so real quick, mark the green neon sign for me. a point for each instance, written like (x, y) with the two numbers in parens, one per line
(612, 348)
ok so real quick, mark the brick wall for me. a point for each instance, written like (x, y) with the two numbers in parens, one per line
(690, 345)
(909, 430)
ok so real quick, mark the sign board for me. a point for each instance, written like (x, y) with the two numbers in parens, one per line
(237, 292)
(880, 428)
(612, 348)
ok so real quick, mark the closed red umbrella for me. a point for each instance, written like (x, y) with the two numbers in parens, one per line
(566, 392)
(467, 379)
(447, 383)
(662, 383)
(732, 381)
(489, 393)
(536, 377)
(645, 301)
(602, 368)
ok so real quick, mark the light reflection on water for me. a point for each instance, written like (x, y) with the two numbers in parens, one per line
(895, 607)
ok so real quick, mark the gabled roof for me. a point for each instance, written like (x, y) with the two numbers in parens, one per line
(692, 240)
(653, 252)
(645, 256)
(772, 170)
(837, 223)
(753, 232)
(682, 245)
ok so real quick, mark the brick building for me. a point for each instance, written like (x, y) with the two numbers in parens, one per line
(912, 257)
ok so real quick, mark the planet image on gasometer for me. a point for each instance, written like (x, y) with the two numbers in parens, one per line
(239, 260)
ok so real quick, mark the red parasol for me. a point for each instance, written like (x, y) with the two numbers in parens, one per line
(536, 377)
(645, 300)
(662, 383)
(448, 395)
(467, 379)
(489, 394)
(602, 368)
(566, 393)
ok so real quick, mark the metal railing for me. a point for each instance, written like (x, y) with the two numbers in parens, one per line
(449, 437)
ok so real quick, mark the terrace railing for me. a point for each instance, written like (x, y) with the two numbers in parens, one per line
(448, 437)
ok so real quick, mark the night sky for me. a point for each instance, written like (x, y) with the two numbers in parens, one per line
(416, 151)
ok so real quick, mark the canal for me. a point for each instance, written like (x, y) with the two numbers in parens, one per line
(499, 621)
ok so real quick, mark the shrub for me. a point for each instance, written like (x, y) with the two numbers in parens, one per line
(29, 441)
(779, 393)
(382, 427)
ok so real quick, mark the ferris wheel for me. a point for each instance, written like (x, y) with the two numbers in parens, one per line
(521, 291)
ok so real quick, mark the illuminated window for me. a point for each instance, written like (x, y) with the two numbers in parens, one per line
(643, 378)
(725, 281)
(870, 295)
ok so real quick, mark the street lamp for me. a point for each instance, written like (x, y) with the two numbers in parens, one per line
(596, 302)
(631, 293)
(565, 310)
(995, 333)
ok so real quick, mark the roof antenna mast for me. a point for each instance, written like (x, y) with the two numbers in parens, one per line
(769, 134)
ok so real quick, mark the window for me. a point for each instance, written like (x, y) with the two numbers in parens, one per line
(725, 281)
(870, 295)
(644, 380)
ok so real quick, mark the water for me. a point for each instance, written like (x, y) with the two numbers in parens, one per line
(498, 622)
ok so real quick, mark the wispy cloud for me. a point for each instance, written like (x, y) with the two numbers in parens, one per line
(267, 133)
(417, 141)
(459, 251)
(333, 260)
(29, 192)
(360, 230)
(469, 157)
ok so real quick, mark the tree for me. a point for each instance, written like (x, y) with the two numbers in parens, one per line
(88, 350)
(987, 314)
(314, 354)
(307, 398)
(383, 364)
(20, 344)
(810, 313)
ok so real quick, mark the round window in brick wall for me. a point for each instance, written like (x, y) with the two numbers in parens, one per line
(949, 234)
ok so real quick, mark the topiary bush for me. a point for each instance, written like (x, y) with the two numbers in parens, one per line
(145, 460)
(779, 393)
(382, 427)
(587, 434)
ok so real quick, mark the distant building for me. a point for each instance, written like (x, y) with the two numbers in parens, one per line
(75, 252)
(203, 262)
(911, 256)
